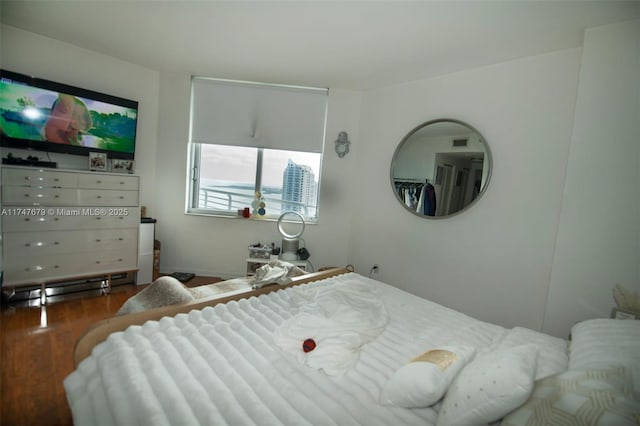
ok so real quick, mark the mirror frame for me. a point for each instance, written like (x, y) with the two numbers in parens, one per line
(411, 133)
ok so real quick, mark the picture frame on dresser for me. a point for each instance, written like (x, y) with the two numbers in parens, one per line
(98, 161)
(121, 166)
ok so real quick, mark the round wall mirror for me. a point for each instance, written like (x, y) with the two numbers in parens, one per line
(440, 168)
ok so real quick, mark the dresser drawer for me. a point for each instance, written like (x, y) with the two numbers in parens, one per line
(35, 196)
(34, 244)
(38, 177)
(98, 197)
(25, 271)
(96, 181)
(69, 218)
(113, 261)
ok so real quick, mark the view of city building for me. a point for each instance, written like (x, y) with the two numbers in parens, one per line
(299, 187)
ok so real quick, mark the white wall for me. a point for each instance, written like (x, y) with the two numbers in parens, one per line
(494, 260)
(42, 57)
(598, 244)
(218, 246)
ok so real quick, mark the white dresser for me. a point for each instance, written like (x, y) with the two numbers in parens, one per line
(59, 225)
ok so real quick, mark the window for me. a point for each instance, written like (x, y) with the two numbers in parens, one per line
(255, 146)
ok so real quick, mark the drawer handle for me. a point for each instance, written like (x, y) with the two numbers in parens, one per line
(121, 218)
(99, 196)
(56, 196)
(121, 183)
(56, 180)
(27, 219)
(120, 239)
(27, 178)
(55, 266)
(56, 219)
(55, 243)
(122, 197)
(98, 240)
(27, 245)
(120, 260)
(27, 269)
(98, 181)
(98, 218)
(26, 195)
(97, 262)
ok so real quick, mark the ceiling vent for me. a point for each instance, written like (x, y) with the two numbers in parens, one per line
(460, 142)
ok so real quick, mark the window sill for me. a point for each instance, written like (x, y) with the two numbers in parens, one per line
(236, 217)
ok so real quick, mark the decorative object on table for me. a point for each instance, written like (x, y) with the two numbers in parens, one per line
(290, 237)
(258, 204)
(303, 253)
(98, 161)
(122, 166)
(275, 252)
(342, 144)
(627, 303)
(260, 251)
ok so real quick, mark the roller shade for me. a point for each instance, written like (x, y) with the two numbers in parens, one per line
(251, 114)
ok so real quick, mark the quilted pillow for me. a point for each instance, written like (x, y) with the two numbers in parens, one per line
(490, 387)
(425, 379)
(607, 343)
(586, 397)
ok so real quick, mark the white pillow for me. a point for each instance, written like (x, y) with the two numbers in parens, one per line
(605, 343)
(425, 379)
(490, 387)
(587, 397)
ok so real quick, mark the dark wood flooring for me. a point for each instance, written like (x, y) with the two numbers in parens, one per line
(36, 352)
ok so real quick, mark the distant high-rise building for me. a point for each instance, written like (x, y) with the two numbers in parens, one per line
(299, 186)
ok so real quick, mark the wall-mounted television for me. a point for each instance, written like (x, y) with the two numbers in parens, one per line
(48, 116)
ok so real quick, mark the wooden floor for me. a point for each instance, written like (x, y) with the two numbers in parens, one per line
(36, 353)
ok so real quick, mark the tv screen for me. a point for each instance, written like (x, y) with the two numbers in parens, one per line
(49, 116)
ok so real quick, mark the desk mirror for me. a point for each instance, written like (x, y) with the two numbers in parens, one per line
(440, 168)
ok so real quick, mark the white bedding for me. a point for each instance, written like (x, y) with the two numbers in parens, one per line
(339, 320)
(221, 365)
(605, 343)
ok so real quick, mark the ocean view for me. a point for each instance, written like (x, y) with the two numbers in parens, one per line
(232, 196)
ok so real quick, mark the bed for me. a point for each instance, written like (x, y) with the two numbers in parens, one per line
(337, 348)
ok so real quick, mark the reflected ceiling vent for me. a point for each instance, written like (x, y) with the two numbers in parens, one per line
(460, 142)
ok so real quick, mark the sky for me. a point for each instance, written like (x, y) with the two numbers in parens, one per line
(238, 164)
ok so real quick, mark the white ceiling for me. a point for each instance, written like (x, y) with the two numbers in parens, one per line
(340, 44)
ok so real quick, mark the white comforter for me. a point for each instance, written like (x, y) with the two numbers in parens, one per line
(221, 365)
(339, 320)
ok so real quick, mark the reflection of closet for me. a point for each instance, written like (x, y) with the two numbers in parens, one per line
(457, 182)
(417, 195)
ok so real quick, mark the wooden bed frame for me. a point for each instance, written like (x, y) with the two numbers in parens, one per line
(102, 329)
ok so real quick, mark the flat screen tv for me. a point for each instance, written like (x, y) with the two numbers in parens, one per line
(48, 116)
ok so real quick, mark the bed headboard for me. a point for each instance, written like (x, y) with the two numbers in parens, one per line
(102, 329)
